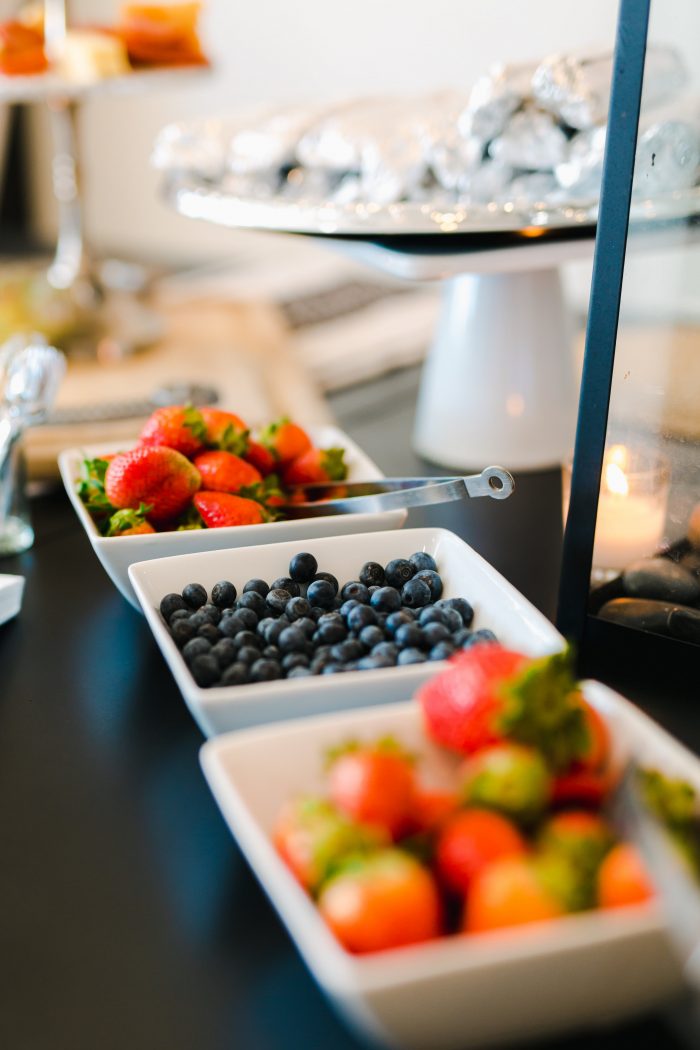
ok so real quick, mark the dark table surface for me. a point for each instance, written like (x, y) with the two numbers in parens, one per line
(128, 918)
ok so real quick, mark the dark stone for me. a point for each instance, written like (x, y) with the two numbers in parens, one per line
(661, 579)
(685, 623)
(660, 617)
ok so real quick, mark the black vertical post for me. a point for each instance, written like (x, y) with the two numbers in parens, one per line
(603, 314)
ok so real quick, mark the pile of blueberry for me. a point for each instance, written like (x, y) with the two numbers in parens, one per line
(307, 624)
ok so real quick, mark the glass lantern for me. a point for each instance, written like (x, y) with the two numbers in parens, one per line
(630, 589)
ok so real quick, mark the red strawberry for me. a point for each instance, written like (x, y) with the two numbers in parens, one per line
(261, 457)
(470, 841)
(285, 440)
(155, 475)
(177, 426)
(219, 509)
(225, 472)
(488, 694)
(316, 465)
(224, 430)
(374, 784)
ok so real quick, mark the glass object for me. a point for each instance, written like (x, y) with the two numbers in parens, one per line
(16, 532)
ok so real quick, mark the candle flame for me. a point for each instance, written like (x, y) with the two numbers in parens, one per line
(616, 480)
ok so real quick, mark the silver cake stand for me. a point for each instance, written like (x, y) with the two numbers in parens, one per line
(499, 384)
(105, 303)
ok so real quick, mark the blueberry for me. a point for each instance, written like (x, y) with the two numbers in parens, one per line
(211, 612)
(182, 631)
(277, 599)
(355, 591)
(461, 636)
(434, 582)
(373, 588)
(347, 606)
(236, 674)
(194, 594)
(398, 572)
(299, 672)
(303, 567)
(205, 669)
(330, 632)
(291, 660)
(435, 633)
(361, 616)
(296, 608)
(291, 640)
(265, 671)
(256, 602)
(264, 624)
(432, 614)
(321, 593)
(170, 604)
(198, 618)
(271, 652)
(382, 617)
(306, 624)
(386, 599)
(396, 620)
(179, 614)
(410, 636)
(248, 654)
(273, 632)
(374, 662)
(416, 593)
(317, 614)
(348, 650)
(371, 636)
(372, 574)
(422, 560)
(462, 606)
(411, 656)
(223, 594)
(209, 631)
(240, 620)
(482, 635)
(453, 621)
(332, 668)
(386, 650)
(441, 651)
(329, 578)
(195, 647)
(225, 652)
(259, 586)
(247, 638)
(286, 583)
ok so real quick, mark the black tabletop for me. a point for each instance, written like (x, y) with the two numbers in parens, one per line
(128, 918)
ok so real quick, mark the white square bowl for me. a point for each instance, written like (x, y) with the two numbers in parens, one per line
(463, 991)
(465, 574)
(117, 553)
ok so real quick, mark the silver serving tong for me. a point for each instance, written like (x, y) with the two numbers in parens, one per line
(678, 889)
(372, 497)
(33, 371)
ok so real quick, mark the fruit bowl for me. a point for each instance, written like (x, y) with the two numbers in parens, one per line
(497, 605)
(461, 991)
(117, 553)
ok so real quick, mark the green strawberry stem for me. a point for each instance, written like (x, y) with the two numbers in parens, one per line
(541, 708)
(193, 421)
(127, 518)
(91, 488)
(333, 463)
(385, 745)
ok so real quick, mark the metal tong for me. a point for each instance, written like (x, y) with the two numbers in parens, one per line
(372, 497)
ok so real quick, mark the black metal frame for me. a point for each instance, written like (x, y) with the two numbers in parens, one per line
(598, 642)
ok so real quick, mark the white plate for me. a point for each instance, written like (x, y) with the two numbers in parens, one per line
(577, 972)
(11, 590)
(465, 574)
(118, 552)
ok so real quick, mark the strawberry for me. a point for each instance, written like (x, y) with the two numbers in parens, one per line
(510, 778)
(159, 476)
(176, 426)
(623, 879)
(583, 839)
(511, 891)
(225, 472)
(285, 440)
(488, 694)
(220, 509)
(316, 465)
(469, 841)
(224, 430)
(130, 522)
(260, 457)
(373, 784)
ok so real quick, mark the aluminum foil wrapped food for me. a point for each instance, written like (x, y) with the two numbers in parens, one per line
(668, 156)
(269, 141)
(198, 147)
(493, 100)
(576, 88)
(531, 140)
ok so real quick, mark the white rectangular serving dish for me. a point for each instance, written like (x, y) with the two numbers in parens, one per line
(117, 553)
(465, 574)
(461, 992)
(11, 591)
